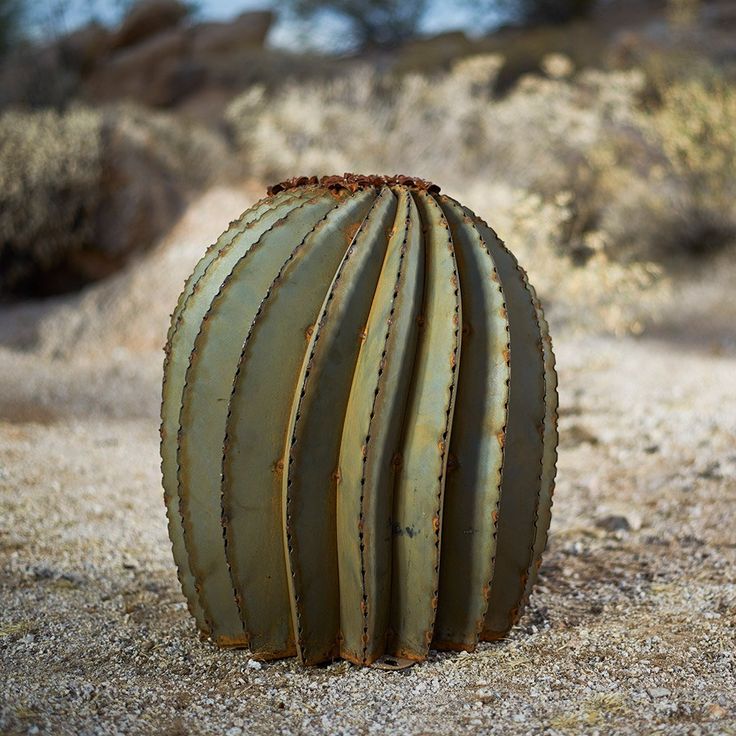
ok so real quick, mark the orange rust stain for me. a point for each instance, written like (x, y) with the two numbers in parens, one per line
(494, 516)
(350, 182)
(309, 331)
(352, 231)
(231, 641)
(501, 437)
(436, 524)
(506, 355)
(453, 646)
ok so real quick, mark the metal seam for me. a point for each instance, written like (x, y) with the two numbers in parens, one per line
(516, 611)
(226, 531)
(379, 381)
(537, 560)
(203, 603)
(303, 388)
(176, 318)
(507, 360)
(448, 415)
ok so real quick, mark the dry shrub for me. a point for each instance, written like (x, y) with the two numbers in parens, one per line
(49, 188)
(592, 294)
(81, 191)
(512, 159)
(664, 187)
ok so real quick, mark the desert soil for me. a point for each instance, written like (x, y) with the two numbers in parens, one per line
(632, 628)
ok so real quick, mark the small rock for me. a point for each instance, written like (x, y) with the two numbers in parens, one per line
(254, 664)
(711, 470)
(129, 563)
(716, 711)
(614, 523)
(658, 692)
(234, 731)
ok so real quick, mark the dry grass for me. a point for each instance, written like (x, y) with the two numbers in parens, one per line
(602, 181)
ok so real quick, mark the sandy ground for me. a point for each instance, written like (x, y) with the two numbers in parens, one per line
(631, 630)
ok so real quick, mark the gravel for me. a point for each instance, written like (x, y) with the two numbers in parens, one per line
(631, 629)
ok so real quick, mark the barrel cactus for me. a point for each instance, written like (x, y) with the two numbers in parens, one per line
(358, 431)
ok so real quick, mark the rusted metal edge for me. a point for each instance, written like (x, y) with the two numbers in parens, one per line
(186, 293)
(398, 650)
(353, 182)
(366, 444)
(452, 391)
(517, 610)
(548, 470)
(292, 439)
(454, 645)
(180, 490)
(290, 650)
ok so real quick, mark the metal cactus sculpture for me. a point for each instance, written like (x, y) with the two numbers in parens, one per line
(358, 431)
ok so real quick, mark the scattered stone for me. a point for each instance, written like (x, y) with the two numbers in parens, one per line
(614, 523)
(658, 692)
(715, 711)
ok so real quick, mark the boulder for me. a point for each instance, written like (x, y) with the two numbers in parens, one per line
(248, 30)
(84, 48)
(149, 18)
(146, 73)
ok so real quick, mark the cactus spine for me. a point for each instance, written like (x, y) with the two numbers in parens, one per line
(350, 465)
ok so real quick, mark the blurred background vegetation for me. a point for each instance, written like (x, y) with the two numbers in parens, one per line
(597, 136)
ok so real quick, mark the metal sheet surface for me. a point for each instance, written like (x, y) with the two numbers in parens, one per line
(523, 447)
(473, 486)
(371, 440)
(205, 394)
(258, 417)
(418, 494)
(203, 281)
(315, 429)
(549, 460)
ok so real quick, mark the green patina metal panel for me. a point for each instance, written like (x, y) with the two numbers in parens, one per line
(358, 426)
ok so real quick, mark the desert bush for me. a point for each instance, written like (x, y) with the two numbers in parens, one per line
(446, 125)
(663, 186)
(83, 190)
(49, 188)
(522, 161)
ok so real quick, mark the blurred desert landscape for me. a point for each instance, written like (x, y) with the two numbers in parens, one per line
(597, 138)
